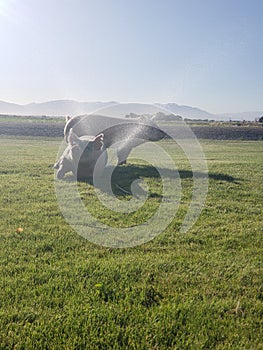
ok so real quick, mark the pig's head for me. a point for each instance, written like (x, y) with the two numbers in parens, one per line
(81, 156)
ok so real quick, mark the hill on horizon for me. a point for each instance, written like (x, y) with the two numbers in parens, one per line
(71, 107)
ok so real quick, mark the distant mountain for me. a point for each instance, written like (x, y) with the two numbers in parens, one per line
(52, 108)
(70, 107)
(187, 111)
(9, 108)
(196, 113)
(242, 115)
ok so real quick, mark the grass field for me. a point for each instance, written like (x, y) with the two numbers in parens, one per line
(200, 290)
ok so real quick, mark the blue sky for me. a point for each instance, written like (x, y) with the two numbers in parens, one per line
(201, 53)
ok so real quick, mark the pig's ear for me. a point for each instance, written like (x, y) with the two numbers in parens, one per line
(68, 118)
(72, 138)
(56, 165)
(98, 142)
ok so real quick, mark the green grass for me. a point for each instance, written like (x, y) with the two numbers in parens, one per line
(32, 119)
(200, 290)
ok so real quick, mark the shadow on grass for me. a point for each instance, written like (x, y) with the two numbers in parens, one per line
(123, 176)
